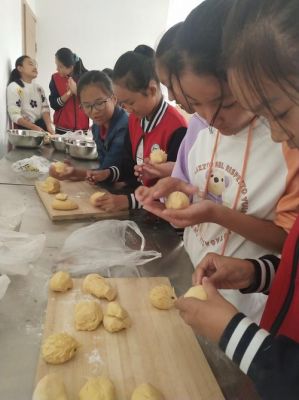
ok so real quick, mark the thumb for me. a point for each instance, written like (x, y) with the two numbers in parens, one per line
(209, 288)
(188, 189)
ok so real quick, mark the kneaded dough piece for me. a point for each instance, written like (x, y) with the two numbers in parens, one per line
(162, 297)
(88, 315)
(113, 324)
(96, 285)
(51, 185)
(50, 387)
(96, 196)
(65, 205)
(198, 292)
(59, 348)
(61, 196)
(146, 391)
(100, 388)
(59, 167)
(114, 309)
(61, 281)
(158, 156)
(177, 201)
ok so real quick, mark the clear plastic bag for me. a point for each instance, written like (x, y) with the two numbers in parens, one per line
(12, 209)
(32, 168)
(18, 251)
(104, 244)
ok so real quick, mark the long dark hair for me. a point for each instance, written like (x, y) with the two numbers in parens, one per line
(261, 40)
(70, 59)
(97, 78)
(15, 75)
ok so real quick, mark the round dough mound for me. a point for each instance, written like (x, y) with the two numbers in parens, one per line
(158, 156)
(146, 391)
(113, 324)
(198, 292)
(88, 315)
(162, 297)
(93, 198)
(59, 167)
(61, 282)
(61, 196)
(114, 309)
(51, 185)
(50, 387)
(65, 205)
(59, 348)
(177, 201)
(98, 286)
(100, 388)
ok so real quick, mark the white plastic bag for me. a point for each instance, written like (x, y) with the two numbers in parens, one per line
(12, 209)
(32, 167)
(4, 283)
(105, 244)
(18, 250)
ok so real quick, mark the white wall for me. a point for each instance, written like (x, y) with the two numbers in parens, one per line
(10, 50)
(179, 9)
(99, 31)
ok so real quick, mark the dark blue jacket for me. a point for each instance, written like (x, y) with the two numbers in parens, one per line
(111, 149)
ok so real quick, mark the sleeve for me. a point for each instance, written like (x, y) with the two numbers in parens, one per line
(14, 102)
(287, 207)
(45, 104)
(114, 156)
(54, 98)
(271, 362)
(265, 269)
(174, 143)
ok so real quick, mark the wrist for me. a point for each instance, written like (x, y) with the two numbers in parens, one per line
(214, 212)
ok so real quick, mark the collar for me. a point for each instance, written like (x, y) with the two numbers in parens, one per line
(148, 126)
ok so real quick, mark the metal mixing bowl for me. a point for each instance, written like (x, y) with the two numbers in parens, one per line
(25, 138)
(83, 149)
(59, 143)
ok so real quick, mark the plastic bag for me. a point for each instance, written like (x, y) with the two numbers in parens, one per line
(105, 244)
(12, 209)
(18, 250)
(4, 283)
(76, 135)
(32, 167)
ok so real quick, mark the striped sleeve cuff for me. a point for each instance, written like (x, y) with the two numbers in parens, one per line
(242, 339)
(114, 174)
(60, 102)
(133, 203)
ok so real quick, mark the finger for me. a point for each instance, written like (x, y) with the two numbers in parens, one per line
(209, 288)
(154, 209)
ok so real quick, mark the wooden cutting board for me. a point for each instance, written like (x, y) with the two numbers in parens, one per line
(80, 192)
(158, 348)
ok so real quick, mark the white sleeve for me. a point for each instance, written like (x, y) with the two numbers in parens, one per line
(14, 102)
(45, 104)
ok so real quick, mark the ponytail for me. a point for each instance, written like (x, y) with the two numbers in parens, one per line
(15, 75)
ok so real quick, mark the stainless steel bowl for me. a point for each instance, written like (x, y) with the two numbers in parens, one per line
(59, 143)
(82, 149)
(25, 138)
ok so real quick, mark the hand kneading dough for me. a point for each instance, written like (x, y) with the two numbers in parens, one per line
(59, 348)
(51, 185)
(158, 156)
(100, 388)
(59, 167)
(93, 198)
(61, 196)
(177, 201)
(98, 286)
(197, 291)
(65, 205)
(61, 282)
(116, 318)
(162, 297)
(146, 391)
(50, 387)
(88, 315)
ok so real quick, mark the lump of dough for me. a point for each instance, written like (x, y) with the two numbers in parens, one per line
(50, 387)
(51, 185)
(59, 348)
(146, 391)
(65, 205)
(158, 156)
(59, 167)
(198, 292)
(98, 286)
(61, 196)
(93, 198)
(162, 297)
(177, 201)
(61, 281)
(100, 388)
(114, 309)
(88, 315)
(113, 324)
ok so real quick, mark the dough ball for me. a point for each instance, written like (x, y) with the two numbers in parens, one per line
(146, 391)
(98, 286)
(162, 297)
(51, 185)
(93, 198)
(61, 196)
(113, 324)
(61, 282)
(88, 315)
(100, 388)
(114, 309)
(177, 201)
(65, 205)
(197, 291)
(50, 387)
(59, 167)
(59, 348)
(158, 156)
